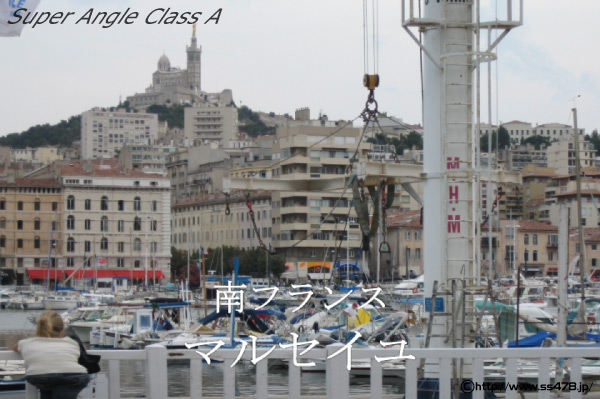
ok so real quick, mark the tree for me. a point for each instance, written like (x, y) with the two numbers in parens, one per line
(538, 142)
(412, 139)
(178, 262)
(251, 124)
(172, 114)
(253, 261)
(595, 140)
(502, 138)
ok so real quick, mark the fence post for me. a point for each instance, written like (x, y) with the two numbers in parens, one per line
(156, 371)
(31, 392)
(337, 377)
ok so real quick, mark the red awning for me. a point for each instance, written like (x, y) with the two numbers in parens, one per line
(109, 273)
(42, 273)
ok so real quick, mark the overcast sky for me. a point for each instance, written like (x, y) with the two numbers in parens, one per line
(279, 55)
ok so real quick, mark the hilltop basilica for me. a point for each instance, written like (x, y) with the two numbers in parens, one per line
(172, 85)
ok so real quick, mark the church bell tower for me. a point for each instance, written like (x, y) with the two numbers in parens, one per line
(193, 63)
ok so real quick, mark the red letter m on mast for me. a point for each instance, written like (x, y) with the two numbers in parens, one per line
(454, 224)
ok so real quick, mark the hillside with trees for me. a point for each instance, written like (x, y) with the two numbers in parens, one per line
(64, 133)
(250, 123)
(412, 139)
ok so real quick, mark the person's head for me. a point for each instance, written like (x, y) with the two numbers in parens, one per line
(50, 325)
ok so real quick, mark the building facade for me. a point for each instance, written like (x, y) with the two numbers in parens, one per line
(113, 219)
(30, 226)
(211, 122)
(313, 226)
(104, 132)
(218, 221)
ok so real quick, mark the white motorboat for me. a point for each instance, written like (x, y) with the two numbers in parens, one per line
(62, 300)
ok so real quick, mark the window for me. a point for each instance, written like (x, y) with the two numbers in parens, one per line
(2, 204)
(121, 246)
(594, 262)
(20, 205)
(137, 224)
(70, 202)
(36, 205)
(594, 247)
(526, 255)
(88, 204)
(70, 244)
(104, 244)
(407, 235)
(36, 224)
(510, 232)
(535, 239)
(2, 242)
(120, 262)
(55, 206)
(121, 205)
(153, 247)
(104, 223)
(154, 225)
(70, 222)
(88, 246)
(137, 244)
(88, 224)
(104, 203)
(36, 242)
(121, 226)
(2, 223)
(407, 252)
(154, 206)
(19, 224)
(20, 243)
(526, 239)
(418, 253)
(70, 262)
(137, 204)
(136, 263)
(418, 235)
(535, 255)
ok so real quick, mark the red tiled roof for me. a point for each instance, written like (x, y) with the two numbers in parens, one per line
(405, 219)
(532, 225)
(583, 192)
(23, 182)
(535, 202)
(103, 168)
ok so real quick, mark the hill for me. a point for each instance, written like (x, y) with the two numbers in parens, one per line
(64, 133)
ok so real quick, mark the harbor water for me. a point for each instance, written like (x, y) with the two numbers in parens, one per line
(16, 325)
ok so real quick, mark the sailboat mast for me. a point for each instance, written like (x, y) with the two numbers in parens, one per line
(582, 260)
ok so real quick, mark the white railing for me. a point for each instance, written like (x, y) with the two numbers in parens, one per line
(337, 376)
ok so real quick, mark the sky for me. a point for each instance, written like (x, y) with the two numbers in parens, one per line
(280, 55)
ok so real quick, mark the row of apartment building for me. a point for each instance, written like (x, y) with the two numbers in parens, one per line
(85, 214)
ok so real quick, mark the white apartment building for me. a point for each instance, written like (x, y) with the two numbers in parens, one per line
(313, 226)
(561, 156)
(211, 122)
(523, 130)
(104, 132)
(518, 131)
